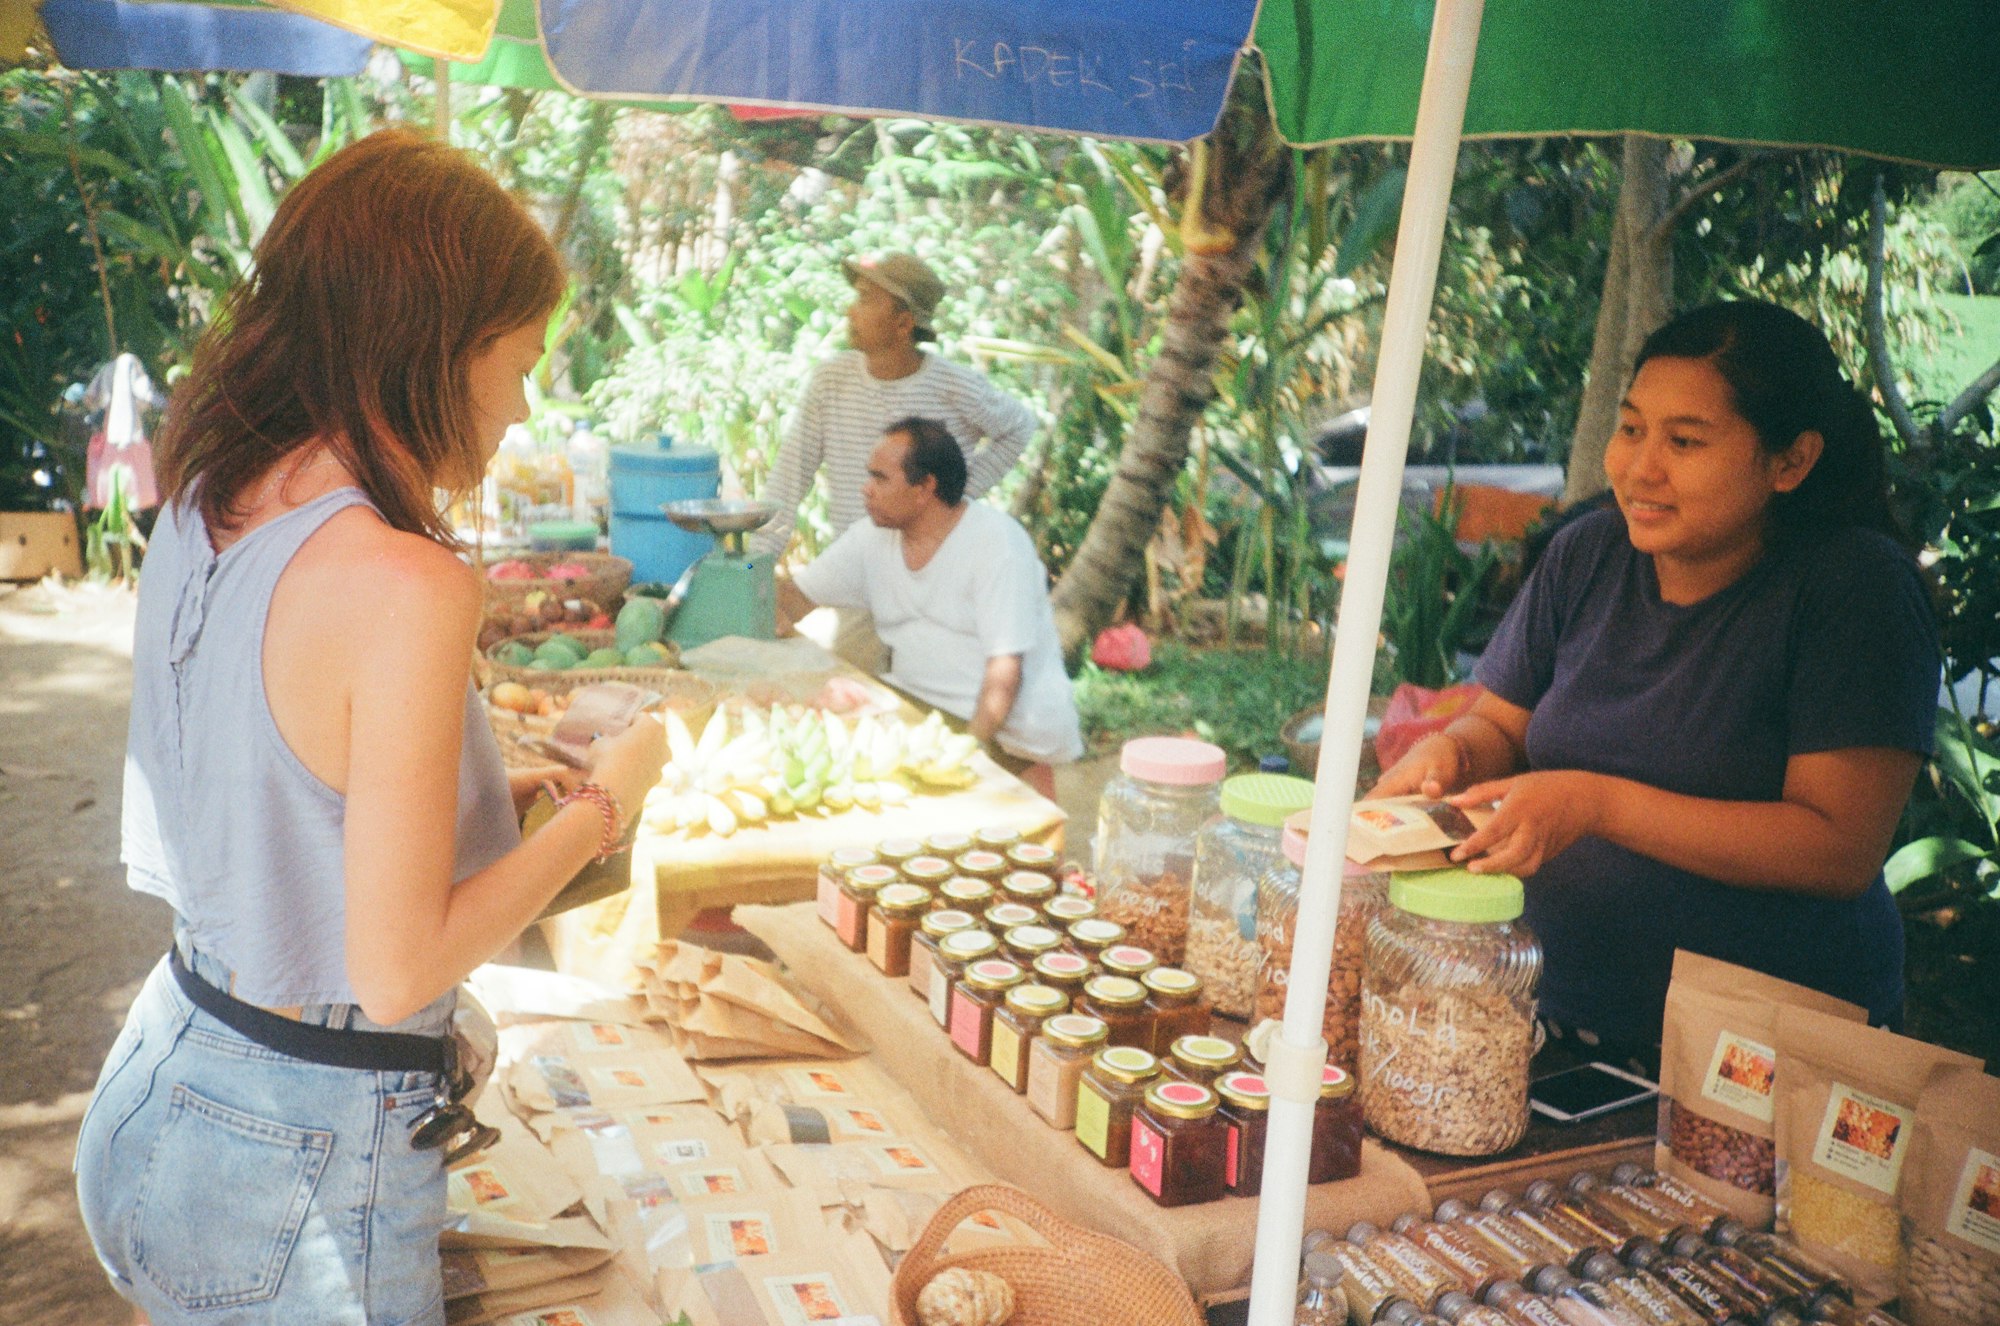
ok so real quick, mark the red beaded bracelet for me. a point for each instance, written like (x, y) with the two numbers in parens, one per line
(607, 805)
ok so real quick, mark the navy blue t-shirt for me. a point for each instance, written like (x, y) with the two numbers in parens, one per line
(1826, 643)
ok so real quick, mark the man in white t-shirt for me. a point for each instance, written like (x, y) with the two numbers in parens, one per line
(851, 398)
(958, 595)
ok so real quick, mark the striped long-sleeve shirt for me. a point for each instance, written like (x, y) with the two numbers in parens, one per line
(844, 412)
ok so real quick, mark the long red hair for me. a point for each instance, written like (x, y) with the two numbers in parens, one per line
(382, 273)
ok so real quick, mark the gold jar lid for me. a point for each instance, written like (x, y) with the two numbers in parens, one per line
(871, 879)
(843, 859)
(1004, 916)
(1210, 1053)
(948, 844)
(968, 945)
(1068, 907)
(1033, 856)
(1127, 960)
(903, 899)
(1068, 968)
(967, 892)
(996, 837)
(1172, 982)
(981, 864)
(898, 850)
(1181, 1100)
(1033, 940)
(928, 870)
(948, 921)
(1096, 933)
(1117, 991)
(1028, 885)
(1126, 1063)
(1037, 1000)
(993, 974)
(1335, 1083)
(1075, 1029)
(1247, 1090)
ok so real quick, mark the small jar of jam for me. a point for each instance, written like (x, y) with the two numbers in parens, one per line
(1056, 1062)
(892, 923)
(1067, 908)
(1178, 1004)
(995, 838)
(832, 873)
(1025, 943)
(857, 895)
(1121, 1003)
(1108, 1097)
(1027, 886)
(1246, 1112)
(965, 894)
(1015, 1027)
(924, 945)
(929, 871)
(895, 851)
(949, 844)
(1035, 857)
(1336, 1144)
(981, 864)
(1064, 970)
(1127, 960)
(1004, 916)
(1089, 937)
(955, 952)
(1200, 1059)
(1179, 1144)
(975, 998)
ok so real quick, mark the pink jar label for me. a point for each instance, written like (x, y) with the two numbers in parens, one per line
(1149, 1153)
(1229, 1156)
(847, 920)
(829, 896)
(965, 1025)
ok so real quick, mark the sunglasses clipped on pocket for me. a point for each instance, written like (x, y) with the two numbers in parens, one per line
(449, 1123)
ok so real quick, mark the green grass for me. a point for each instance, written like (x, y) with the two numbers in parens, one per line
(1942, 373)
(1238, 699)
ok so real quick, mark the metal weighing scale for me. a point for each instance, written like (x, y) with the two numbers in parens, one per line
(730, 590)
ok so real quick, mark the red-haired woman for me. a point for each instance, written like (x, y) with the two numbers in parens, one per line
(309, 780)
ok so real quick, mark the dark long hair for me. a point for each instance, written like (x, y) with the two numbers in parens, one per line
(1787, 381)
(382, 273)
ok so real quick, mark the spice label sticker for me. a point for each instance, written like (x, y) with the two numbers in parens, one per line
(1230, 1154)
(621, 1079)
(480, 1188)
(722, 1181)
(866, 1121)
(1005, 1056)
(1975, 1211)
(612, 1149)
(1093, 1121)
(742, 1234)
(1148, 1157)
(828, 897)
(940, 992)
(564, 1084)
(559, 1317)
(965, 1026)
(815, 1082)
(804, 1299)
(681, 1150)
(1739, 1075)
(1863, 1137)
(650, 1191)
(591, 1036)
(902, 1160)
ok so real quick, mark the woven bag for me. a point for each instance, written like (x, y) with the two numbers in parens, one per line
(604, 586)
(1080, 1279)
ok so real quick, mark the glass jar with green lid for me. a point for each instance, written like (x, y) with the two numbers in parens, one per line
(929, 871)
(981, 864)
(1004, 916)
(1056, 1061)
(1028, 887)
(1200, 1059)
(1246, 1112)
(857, 895)
(924, 946)
(955, 952)
(1127, 960)
(1108, 1097)
(1015, 1027)
(1064, 970)
(1178, 1003)
(966, 894)
(1449, 952)
(1337, 1128)
(832, 873)
(1034, 856)
(1179, 1144)
(1233, 852)
(895, 851)
(1121, 1003)
(1065, 909)
(996, 837)
(975, 998)
(892, 923)
(947, 843)
(1089, 937)
(1025, 943)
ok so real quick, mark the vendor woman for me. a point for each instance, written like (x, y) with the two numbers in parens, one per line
(1706, 709)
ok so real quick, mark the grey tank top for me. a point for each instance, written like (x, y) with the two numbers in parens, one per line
(220, 817)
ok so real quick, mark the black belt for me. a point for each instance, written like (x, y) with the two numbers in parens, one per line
(375, 1051)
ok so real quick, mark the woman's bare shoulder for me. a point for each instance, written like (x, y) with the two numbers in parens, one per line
(365, 567)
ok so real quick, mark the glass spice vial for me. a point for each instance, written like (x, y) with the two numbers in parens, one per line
(1029, 887)
(1089, 937)
(955, 952)
(1336, 1134)
(949, 844)
(895, 851)
(1056, 1062)
(1015, 1026)
(1127, 960)
(924, 946)
(892, 923)
(929, 871)
(1108, 1097)
(1064, 970)
(857, 895)
(1025, 943)
(1200, 1059)
(1179, 1144)
(966, 894)
(1121, 1004)
(1179, 1006)
(980, 863)
(975, 998)
(1246, 1112)
(1065, 909)
(1004, 916)
(1037, 857)
(832, 872)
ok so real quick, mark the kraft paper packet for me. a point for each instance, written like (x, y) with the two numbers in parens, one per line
(1410, 832)
(747, 1227)
(841, 1281)
(685, 1147)
(515, 1193)
(851, 1168)
(686, 978)
(1718, 1070)
(1846, 1115)
(740, 1089)
(592, 1066)
(605, 1297)
(1951, 1204)
(525, 994)
(472, 1271)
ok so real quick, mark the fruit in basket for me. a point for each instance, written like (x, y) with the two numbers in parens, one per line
(958, 1296)
(512, 569)
(640, 621)
(652, 654)
(567, 571)
(513, 695)
(607, 657)
(515, 654)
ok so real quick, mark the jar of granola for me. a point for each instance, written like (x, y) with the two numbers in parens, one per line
(1233, 852)
(1147, 822)
(1362, 894)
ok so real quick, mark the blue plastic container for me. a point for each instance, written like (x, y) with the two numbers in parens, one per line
(643, 479)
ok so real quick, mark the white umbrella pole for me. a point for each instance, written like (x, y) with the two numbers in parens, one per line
(1298, 1054)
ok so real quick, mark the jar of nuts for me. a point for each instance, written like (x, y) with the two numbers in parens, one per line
(1363, 893)
(1233, 852)
(1147, 821)
(1448, 1013)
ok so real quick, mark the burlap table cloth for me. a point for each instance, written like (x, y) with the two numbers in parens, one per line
(1210, 1246)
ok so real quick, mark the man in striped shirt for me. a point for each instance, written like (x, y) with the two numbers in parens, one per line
(852, 398)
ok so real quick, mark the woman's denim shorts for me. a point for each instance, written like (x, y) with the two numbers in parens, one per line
(224, 1183)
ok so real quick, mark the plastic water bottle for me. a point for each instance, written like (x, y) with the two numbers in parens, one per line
(590, 468)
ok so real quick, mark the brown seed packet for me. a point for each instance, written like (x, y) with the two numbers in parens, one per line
(1846, 1116)
(1409, 832)
(1951, 1204)
(1718, 1065)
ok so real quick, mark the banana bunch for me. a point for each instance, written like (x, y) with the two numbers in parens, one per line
(796, 760)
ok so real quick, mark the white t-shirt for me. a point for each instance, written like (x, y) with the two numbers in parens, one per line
(984, 593)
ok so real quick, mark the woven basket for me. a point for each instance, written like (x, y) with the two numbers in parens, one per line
(604, 586)
(1079, 1279)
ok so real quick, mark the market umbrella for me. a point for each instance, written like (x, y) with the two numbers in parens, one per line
(122, 34)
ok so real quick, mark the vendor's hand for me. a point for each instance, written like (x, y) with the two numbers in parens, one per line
(628, 764)
(1538, 815)
(526, 784)
(1432, 767)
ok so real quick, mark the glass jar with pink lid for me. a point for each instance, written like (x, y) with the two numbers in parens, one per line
(1147, 822)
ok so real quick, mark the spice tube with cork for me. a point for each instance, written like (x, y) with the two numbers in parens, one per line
(857, 895)
(832, 873)
(1108, 1098)
(1015, 1027)
(955, 952)
(1478, 1266)
(1056, 1062)
(975, 998)
(1179, 1144)
(1652, 1301)
(1527, 1309)
(1420, 1274)
(892, 924)
(1460, 1310)
(1121, 1004)
(924, 946)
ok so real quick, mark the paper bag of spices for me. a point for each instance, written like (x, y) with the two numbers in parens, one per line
(1718, 1065)
(1410, 832)
(1951, 1205)
(1846, 1114)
